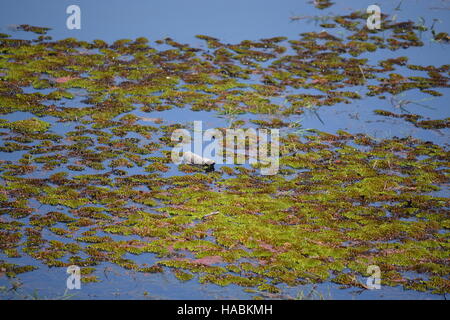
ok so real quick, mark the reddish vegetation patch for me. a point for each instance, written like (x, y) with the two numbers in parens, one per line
(64, 79)
(208, 260)
(267, 247)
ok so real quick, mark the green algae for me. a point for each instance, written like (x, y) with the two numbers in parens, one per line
(28, 126)
(183, 276)
(351, 200)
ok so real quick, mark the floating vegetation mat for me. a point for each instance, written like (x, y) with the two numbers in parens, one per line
(86, 178)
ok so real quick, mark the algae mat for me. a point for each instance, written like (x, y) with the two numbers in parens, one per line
(87, 178)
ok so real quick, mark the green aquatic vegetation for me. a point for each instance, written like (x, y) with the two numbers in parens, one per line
(274, 123)
(225, 280)
(92, 212)
(90, 279)
(12, 270)
(28, 28)
(441, 37)
(157, 166)
(189, 168)
(12, 253)
(60, 232)
(12, 147)
(151, 269)
(121, 162)
(143, 130)
(416, 120)
(28, 126)
(434, 124)
(183, 276)
(323, 4)
(93, 239)
(63, 196)
(339, 203)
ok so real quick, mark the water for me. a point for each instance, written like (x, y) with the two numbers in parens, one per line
(230, 21)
